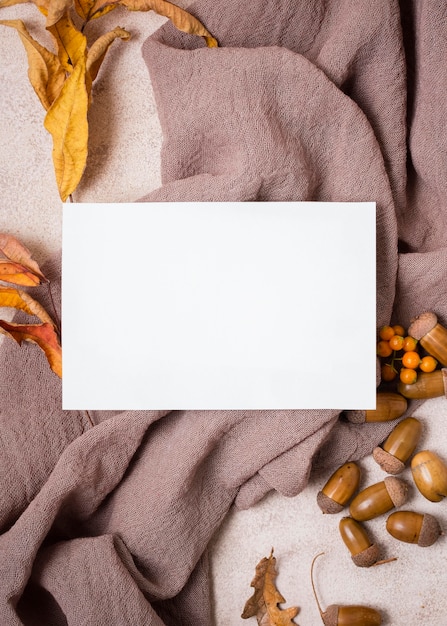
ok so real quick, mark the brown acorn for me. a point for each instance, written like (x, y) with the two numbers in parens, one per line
(430, 475)
(428, 385)
(412, 527)
(378, 499)
(364, 553)
(339, 488)
(389, 406)
(355, 615)
(431, 335)
(399, 446)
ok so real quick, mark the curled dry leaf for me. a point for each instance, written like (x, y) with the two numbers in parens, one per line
(181, 19)
(16, 263)
(45, 72)
(98, 50)
(263, 604)
(43, 335)
(18, 299)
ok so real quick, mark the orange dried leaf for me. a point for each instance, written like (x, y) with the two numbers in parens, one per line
(17, 274)
(98, 50)
(17, 261)
(43, 335)
(263, 604)
(45, 71)
(67, 122)
(17, 299)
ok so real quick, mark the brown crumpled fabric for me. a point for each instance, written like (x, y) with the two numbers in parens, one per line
(318, 100)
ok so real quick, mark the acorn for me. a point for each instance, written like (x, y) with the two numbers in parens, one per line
(339, 489)
(378, 499)
(355, 615)
(389, 406)
(399, 446)
(430, 475)
(412, 527)
(364, 553)
(431, 335)
(428, 385)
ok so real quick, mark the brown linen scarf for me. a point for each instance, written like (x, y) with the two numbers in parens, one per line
(338, 100)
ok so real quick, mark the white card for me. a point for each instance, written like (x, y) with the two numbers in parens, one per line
(185, 305)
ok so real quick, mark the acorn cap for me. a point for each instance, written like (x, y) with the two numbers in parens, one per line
(356, 417)
(367, 557)
(327, 505)
(430, 531)
(397, 490)
(330, 616)
(422, 324)
(389, 463)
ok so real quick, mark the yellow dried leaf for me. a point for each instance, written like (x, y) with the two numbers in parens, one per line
(56, 9)
(66, 120)
(45, 71)
(71, 43)
(98, 50)
(10, 3)
(43, 335)
(84, 9)
(19, 259)
(181, 19)
(41, 4)
(263, 604)
(18, 299)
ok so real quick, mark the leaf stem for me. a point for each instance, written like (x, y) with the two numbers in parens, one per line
(88, 416)
(56, 316)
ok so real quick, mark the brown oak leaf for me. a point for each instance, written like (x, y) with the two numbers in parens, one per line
(263, 604)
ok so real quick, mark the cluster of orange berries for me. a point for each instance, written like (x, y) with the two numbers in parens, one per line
(400, 357)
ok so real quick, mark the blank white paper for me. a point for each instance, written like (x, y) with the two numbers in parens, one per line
(208, 305)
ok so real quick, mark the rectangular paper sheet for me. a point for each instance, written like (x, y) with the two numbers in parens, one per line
(253, 305)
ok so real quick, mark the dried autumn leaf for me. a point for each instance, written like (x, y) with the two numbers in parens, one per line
(16, 263)
(263, 604)
(99, 49)
(18, 299)
(66, 120)
(45, 71)
(43, 335)
(71, 43)
(84, 9)
(181, 19)
(42, 5)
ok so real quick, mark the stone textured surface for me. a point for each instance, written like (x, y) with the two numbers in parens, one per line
(124, 165)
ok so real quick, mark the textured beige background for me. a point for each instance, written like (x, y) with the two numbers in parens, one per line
(123, 165)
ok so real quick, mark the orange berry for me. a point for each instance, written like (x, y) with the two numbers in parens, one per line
(411, 360)
(396, 342)
(428, 364)
(410, 344)
(399, 330)
(384, 349)
(386, 332)
(408, 376)
(388, 372)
